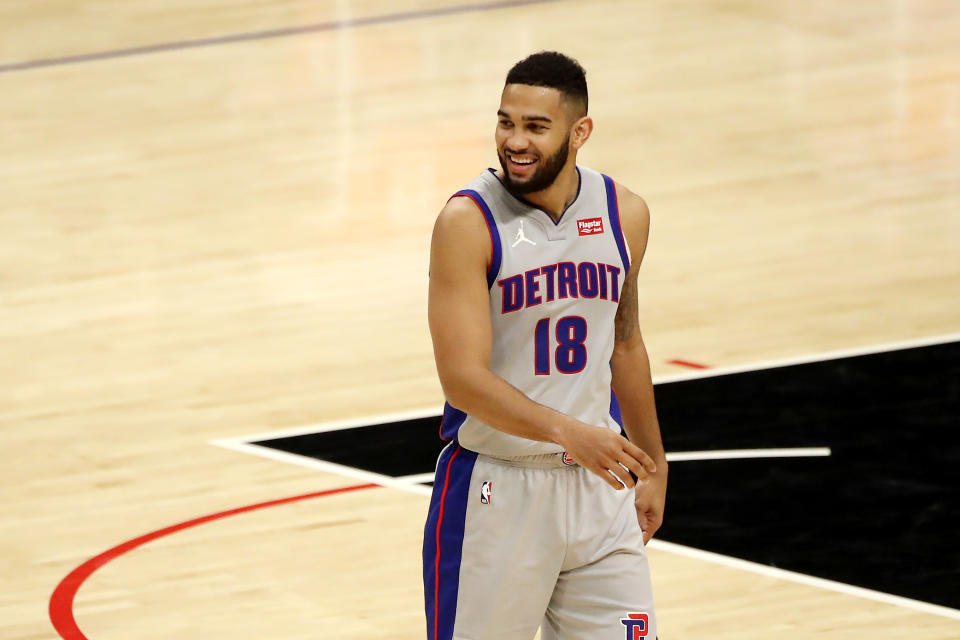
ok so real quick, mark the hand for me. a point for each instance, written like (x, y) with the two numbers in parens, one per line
(650, 499)
(606, 453)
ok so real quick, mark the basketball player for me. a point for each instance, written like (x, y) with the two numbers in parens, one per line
(536, 517)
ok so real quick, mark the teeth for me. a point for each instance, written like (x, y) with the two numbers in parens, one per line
(523, 161)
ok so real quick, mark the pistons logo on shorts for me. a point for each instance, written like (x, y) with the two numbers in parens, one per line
(486, 492)
(637, 625)
(568, 459)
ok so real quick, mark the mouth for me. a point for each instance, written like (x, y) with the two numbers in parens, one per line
(520, 164)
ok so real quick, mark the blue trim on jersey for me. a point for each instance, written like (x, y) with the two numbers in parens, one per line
(613, 211)
(450, 422)
(497, 251)
(615, 409)
(445, 521)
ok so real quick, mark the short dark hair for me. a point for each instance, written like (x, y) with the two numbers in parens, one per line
(556, 71)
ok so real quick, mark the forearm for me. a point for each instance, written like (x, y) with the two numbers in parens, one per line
(633, 385)
(488, 397)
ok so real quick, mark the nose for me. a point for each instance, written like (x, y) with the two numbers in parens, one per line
(517, 141)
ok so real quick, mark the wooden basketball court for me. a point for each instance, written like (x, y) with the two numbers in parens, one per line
(214, 221)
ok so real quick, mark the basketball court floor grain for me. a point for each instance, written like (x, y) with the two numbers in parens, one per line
(214, 227)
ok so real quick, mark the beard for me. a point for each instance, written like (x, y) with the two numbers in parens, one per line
(543, 177)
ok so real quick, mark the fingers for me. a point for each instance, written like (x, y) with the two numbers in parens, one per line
(622, 474)
(610, 479)
(607, 475)
(649, 519)
(614, 475)
(649, 531)
(635, 466)
(640, 456)
(611, 456)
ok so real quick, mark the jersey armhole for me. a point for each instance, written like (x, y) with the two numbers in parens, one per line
(613, 212)
(496, 250)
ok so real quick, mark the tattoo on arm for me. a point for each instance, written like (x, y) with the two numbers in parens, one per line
(626, 321)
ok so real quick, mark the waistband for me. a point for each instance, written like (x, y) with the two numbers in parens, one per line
(542, 461)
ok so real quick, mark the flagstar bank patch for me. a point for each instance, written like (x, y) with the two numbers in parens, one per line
(590, 226)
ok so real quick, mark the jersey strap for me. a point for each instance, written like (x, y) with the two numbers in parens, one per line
(613, 210)
(496, 252)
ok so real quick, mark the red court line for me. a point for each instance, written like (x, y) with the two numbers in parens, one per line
(61, 601)
(687, 363)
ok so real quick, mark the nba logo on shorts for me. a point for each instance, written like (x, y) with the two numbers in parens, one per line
(567, 458)
(636, 624)
(486, 491)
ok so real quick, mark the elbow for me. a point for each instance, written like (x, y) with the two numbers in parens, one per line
(628, 350)
(455, 396)
(459, 388)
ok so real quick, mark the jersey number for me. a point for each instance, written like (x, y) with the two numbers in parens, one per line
(570, 355)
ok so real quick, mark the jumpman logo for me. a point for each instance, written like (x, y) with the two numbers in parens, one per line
(522, 238)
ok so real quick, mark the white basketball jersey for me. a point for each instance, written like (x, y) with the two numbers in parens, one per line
(554, 291)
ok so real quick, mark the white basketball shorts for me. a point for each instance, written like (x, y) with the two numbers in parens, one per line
(510, 546)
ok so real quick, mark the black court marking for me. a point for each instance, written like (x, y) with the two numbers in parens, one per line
(882, 512)
(392, 449)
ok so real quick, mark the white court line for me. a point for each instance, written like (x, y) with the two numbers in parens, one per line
(739, 454)
(337, 425)
(416, 478)
(428, 412)
(801, 578)
(687, 456)
(321, 465)
(412, 484)
(816, 357)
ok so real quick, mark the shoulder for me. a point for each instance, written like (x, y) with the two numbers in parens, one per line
(460, 234)
(633, 208)
(634, 220)
(461, 214)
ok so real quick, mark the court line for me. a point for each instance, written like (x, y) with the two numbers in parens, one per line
(853, 352)
(338, 425)
(801, 578)
(241, 444)
(434, 411)
(61, 600)
(689, 456)
(405, 482)
(411, 484)
(743, 454)
(334, 25)
(687, 363)
(321, 465)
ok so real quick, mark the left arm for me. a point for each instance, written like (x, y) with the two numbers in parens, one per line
(631, 369)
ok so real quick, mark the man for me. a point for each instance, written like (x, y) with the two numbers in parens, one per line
(533, 314)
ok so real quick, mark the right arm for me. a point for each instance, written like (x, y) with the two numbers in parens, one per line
(459, 315)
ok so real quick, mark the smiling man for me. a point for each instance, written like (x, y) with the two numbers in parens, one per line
(541, 507)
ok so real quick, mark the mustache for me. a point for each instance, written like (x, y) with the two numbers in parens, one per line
(520, 153)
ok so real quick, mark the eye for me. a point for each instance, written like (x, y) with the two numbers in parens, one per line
(506, 124)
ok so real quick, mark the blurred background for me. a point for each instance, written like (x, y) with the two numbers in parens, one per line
(215, 220)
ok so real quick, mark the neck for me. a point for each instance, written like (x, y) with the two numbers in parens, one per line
(557, 197)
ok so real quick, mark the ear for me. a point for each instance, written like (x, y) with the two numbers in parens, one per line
(581, 131)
